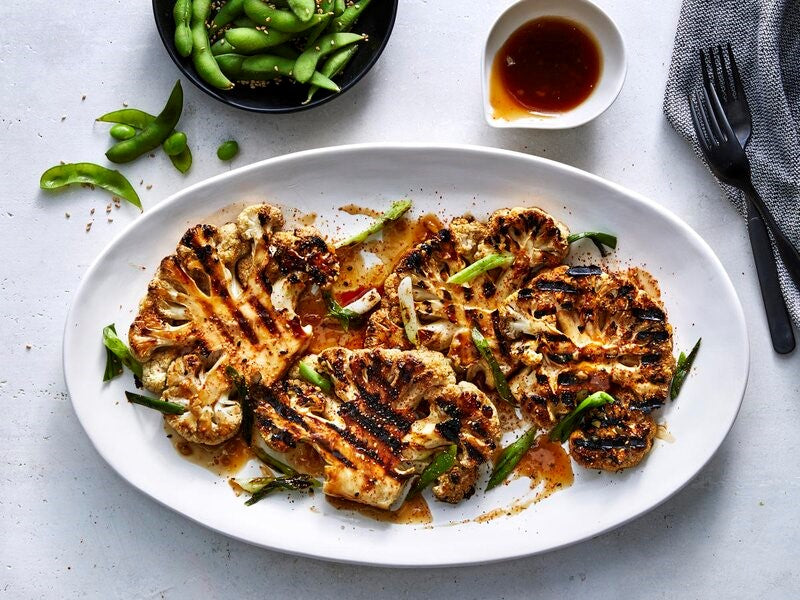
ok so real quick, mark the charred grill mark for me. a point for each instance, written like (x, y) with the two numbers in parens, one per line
(555, 286)
(649, 359)
(468, 294)
(561, 359)
(649, 314)
(376, 430)
(360, 446)
(624, 290)
(647, 404)
(488, 289)
(543, 312)
(449, 429)
(264, 315)
(451, 312)
(525, 294)
(383, 410)
(502, 342)
(610, 443)
(652, 335)
(567, 379)
(584, 271)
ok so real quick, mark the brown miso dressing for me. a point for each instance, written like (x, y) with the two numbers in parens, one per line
(547, 66)
(225, 459)
(412, 512)
(546, 463)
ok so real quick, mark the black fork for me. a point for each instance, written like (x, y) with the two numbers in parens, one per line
(725, 100)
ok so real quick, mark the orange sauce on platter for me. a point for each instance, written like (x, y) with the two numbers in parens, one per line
(412, 512)
(548, 65)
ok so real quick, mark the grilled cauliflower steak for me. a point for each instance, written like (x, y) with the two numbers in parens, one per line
(447, 312)
(578, 330)
(390, 410)
(226, 298)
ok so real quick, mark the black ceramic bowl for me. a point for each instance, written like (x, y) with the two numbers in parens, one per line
(377, 22)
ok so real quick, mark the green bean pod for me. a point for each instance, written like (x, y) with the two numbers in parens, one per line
(245, 40)
(306, 63)
(264, 67)
(303, 9)
(182, 13)
(282, 20)
(203, 59)
(183, 160)
(111, 181)
(333, 66)
(153, 134)
(348, 18)
(339, 6)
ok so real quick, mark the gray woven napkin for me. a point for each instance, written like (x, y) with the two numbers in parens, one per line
(765, 37)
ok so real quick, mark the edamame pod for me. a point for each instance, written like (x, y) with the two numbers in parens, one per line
(282, 20)
(231, 10)
(306, 63)
(333, 66)
(303, 9)
(339, 6)
(112, 181)
(222, 46)
(153, 134)
(175, 144)
(325, 6)
(347, 19)
(203, 59)
(182, 13)
(245, 40)
(265, 67)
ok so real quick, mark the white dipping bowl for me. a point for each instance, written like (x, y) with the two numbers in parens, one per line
(596, 22)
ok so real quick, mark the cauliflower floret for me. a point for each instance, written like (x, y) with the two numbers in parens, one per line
(389, 412)
(229, 293)
(447, 312)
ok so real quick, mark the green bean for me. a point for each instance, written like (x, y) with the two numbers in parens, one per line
(203, 59)
(441, 464)
(264, 67)
(246, 40)
(228, 150)
(510, 458)
(306, 63)
(394, 212)
(139, 119)
(499, 379)
(231, 10)
(348, 18)
(339, 6)
(481, 266)
(333, 66)
(168, 408)
(282, 20)
(598, 238)
(303, 9)
(682, 370)
(92, 174)
(311, 376)
(182, 13)
(153, 134)
(175, 144)
(560, 433)
(122, 132)
(118, 348)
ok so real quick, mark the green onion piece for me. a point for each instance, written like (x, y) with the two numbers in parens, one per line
(273, 463)
(314, 378)
(120, 350)
(345, 316)
(243, 393)
(500, 382)
(397, 210)
(408, 313)
(601, 240)
(682, 370)
(293, 483)
(561, 431)
(487, 263)
(168, 408)
(441, 464)
(251, 486)
(510, 458)
(113, 363)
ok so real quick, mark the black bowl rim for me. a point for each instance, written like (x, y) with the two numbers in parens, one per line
(199, 83)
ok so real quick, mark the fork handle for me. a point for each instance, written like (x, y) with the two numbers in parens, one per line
(790, 255)
(778, 320)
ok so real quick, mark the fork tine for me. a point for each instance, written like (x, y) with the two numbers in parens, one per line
(737, 78)
(710, 115)
(726, 75)
(716, 115)
(704, 69)
(702, 136)
(715, 72)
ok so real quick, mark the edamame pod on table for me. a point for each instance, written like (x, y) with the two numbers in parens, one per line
(264, 67)
(245, 40)
(347, 19)
(112, 181)
(175, 144)
(153, 134)
(333, 66)
(282, 20)
(182, 13)
(306, 63)
(203, 59)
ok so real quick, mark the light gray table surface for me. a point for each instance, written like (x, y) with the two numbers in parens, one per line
(70, 527)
